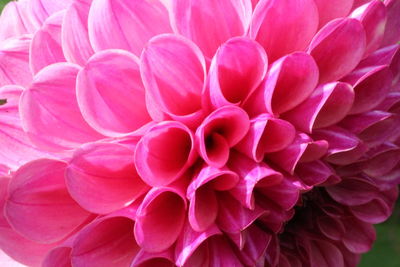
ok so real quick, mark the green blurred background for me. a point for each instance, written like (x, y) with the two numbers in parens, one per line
(386, 250)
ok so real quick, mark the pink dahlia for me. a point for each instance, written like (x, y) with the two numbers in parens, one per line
(197, 133)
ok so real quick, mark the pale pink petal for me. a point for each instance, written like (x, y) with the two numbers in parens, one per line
(392, 30)
(327, 105)
(334, 54)
(160, 218)
(14, 61)
(203, 196)
(236, 70)
(148, 259)
(373, 18)
(39, 206)
(46, 48)
(329, 10)
(107, 241)
(174, 87)
(165, 153)
(126, 25)
(102, 177)
(108, 88)
(266, 134)
(48, 109)
(210, 23)
(253, 175)
(283, 34)
(11, 21)
(75, 37)
(360, 236)
(222, 129)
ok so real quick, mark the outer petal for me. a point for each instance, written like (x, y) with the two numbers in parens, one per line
(49, 109)
(236, 71)
(108, 88)
(14, 61)
(75, 37)
(327, 105)
(210, 23)
(175, 86)
(165, 153)
(392, 30)
(39, 206)
(299, 25)
(331, 49)
(102, 177)
(137, 21)
(148, 259)
(329, 10)
(46, 48)
(11, 21)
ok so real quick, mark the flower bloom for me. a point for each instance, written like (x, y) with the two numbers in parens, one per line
(197, 133)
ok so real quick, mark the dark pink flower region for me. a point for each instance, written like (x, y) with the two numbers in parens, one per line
(197, 133)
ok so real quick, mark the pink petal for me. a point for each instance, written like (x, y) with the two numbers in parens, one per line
(360, 236)
(236, 70)
(253, 175)
(299, 25)
(165, 153)
(11, 21)
(325, 254)
(106, 241)
(161, 259)
(392, 30)
(174, 87)
(48, 110)
(160, 218)
(137, 21)
(383, 56)
(266, 135)
(102, 177)
(14, 61)
(108, 88)
(329, 10)
(314, 173)
(59, 256)
(373, 18)
(327, 105)
(334, 54)
(285, 194)
(222, 129)
(375, 211)
(39, 206)
(208, 23)
(75, 37)
(382, 160)
(303, 149)
(46, 44)
(203, 197)
(331, 227)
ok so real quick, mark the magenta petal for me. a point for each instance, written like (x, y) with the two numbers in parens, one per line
(331, 227)
(160, 218)
(222, 129)
(392, 30)
(236, 70)
(39, 206)
(108, 88)
(327, 105)
(14, 61)
(102, 177)
(299, 25)
(11, 21)
(266, 134)
(375, 211)
(46, 48)
(314, 173)
(285, 194)
(148, 259)
(360, 236)
(334, 54)
(165, 153)
(382, 160)
(106, 241)
(137, 21)
(209, 23)
(75, 37)
(174, 87)
(329, 10)
(59, 256)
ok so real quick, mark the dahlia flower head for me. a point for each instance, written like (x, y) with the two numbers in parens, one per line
(197, 133)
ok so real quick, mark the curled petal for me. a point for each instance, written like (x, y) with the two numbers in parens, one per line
(327, 105)
(299, 25)
(165, 153)
(329, 10)
(220, 131)
(236, 71)
(392, 30)
(49, 109)
(315, 172)
(334, 54)
(137, 21)
(39, 206)
(46, 48)
(174, 87)
(102, 177)
(209, 23)
(284, 194)
(108, 88)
